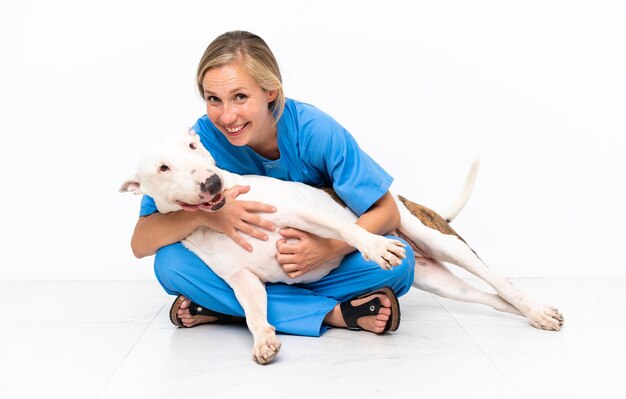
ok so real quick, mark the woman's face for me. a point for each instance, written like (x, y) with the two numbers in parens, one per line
(238, 106)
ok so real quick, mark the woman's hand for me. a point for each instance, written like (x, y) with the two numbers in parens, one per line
(160, 229)
(308, 252)
(240, 217)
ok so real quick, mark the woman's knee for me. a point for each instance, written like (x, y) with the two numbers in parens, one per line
(404, 272)
(170, 263)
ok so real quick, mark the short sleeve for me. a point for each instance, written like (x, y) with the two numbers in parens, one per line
(148, 207)
(355, 176)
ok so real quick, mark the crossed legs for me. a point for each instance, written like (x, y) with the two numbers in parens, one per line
(304, 309)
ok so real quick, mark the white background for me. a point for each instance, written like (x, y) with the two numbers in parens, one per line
(536, 87)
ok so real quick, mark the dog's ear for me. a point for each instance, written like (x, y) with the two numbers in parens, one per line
(131, 186)
(195, 136)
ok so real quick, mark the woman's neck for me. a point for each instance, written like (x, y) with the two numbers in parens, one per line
(269, 150)
(267, 145)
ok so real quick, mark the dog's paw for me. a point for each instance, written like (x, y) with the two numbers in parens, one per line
(386, 252)
(266, 348)
(546, 318)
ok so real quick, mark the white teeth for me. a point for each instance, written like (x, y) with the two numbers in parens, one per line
(234, 129)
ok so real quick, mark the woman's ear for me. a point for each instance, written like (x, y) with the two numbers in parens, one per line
(271, 95)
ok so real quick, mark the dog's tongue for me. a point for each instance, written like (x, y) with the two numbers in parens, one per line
(189, 207)
(214, 205)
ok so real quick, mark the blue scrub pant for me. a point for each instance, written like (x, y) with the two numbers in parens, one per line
(294, 309)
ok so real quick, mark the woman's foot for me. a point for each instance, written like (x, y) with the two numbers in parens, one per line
(376, 312)
(187, 319)
(185, 313)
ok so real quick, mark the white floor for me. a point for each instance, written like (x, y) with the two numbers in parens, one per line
(74, 339)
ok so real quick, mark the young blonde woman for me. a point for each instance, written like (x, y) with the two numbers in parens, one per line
(251, 128)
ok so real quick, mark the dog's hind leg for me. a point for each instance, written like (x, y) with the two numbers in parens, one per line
(435, 239)
(539, 316)
(251, 294)
(434, 277)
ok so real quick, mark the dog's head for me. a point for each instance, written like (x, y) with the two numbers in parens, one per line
(179, 173)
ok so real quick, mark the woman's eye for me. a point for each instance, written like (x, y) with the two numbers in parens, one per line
(164, 168)
(240, 97)
(212, 99)
(192, 146)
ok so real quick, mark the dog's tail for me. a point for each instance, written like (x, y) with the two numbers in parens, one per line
(462, 199)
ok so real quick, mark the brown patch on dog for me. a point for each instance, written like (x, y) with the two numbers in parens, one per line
(429, 218)
(432, 219)
(330, 191)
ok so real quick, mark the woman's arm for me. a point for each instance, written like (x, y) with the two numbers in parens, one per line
(381, 218)
(311, 251)
(157, 230)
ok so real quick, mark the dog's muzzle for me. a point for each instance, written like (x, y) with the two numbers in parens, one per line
(212, 185)
(211, 197)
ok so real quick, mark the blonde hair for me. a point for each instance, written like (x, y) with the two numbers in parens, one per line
(256, 58)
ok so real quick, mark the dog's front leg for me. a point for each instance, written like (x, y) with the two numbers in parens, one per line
(382, 250)
(252, 297)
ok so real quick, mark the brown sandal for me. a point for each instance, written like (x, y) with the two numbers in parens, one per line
(370, 308)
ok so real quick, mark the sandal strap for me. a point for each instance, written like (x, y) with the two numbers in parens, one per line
(195, 309)
(352, 313)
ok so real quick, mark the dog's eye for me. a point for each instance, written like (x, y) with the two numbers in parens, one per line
(192, 146)
(164, 168)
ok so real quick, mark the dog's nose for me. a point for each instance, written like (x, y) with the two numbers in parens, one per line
(212, 185)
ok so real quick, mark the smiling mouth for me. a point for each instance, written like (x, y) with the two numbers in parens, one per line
(236, 130)
(215, 204)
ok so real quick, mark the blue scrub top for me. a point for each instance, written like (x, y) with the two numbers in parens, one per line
(314, 149)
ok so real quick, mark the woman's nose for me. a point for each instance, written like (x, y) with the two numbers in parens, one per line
(229, 114)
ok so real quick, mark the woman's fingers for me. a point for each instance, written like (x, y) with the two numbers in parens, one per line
(234, 191)
(244, 218)
(255, 206)
(251, 231)
(289, 232)
(292, 270)
(256, 220)
(250, 206)
(239, 240)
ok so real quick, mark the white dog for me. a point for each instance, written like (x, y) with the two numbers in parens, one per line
(179, 173)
